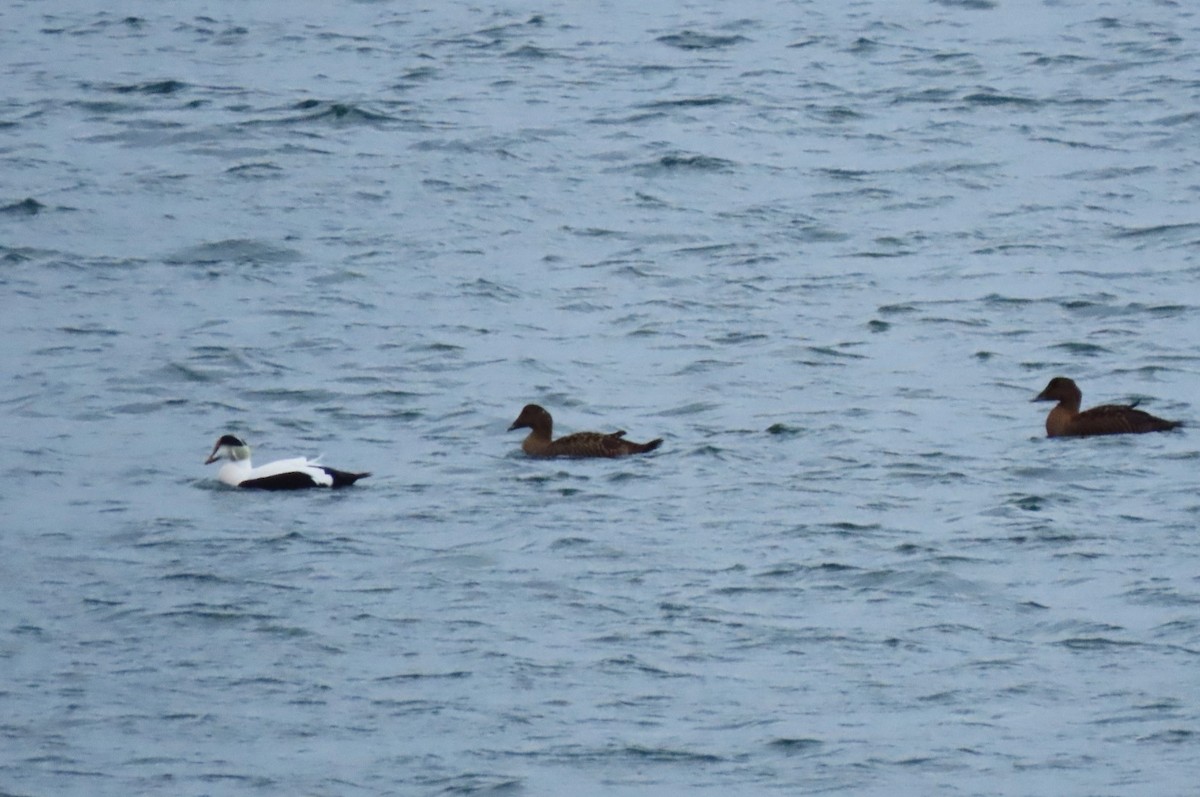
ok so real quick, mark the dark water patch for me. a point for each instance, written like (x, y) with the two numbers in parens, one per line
(13, 256)
(392, 395)
(1097, 643)
(1102, 307)
(1027, 502)
(452, 675)
(694, 102)
(817, 233)
(344, 113)
(531, 52)
(151, 87)
(847, 175)
(471, 783)
(293, 395)
(704, 366)
(667, 755)
(1067, 59)
(592, 232)
(738, 338)
(439, 347)
(199, 578)
(237, 251)
(217, 615)
(864, 46)
(926, 95)
(952, 167)
(253, 782)
(1189, 118)
(1001, 301)
(846, 527)
(995, 99)
(1003, 249)
(784, 430)
(570, 543)
(1159, 231)
(962, 322)
(418, 74)
(836, 352)
(897, 309)
(835, 114)
(339, 113)
(91, 329)
(148, 407)
(1165, 595)
(796, 746)
(1110, 173)
(968, 5)
(630, 662)
(694, 40)
(483, 288)
(26, 207)
(789, 570)
(1082, 349)
(682, 162)
(256, 171)
(1170, 736)
(1075, 144)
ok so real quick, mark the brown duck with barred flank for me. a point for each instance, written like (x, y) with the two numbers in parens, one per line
(539, 443)
(1065, 420)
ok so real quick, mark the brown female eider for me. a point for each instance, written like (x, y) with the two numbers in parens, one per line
(580, 444)
(1065, 420)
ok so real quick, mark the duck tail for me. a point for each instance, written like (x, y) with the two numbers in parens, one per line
(343, 478)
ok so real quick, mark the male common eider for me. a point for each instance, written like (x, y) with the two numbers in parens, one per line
(1065, 420)
(285, 474)
(580, 444)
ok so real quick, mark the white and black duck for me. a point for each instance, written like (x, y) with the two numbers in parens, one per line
(299, 473)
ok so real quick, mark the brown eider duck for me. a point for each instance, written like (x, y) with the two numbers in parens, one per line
(580, 444)
(1065, 420)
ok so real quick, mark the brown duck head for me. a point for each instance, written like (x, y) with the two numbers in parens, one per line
(536, 418)
(1062, 390)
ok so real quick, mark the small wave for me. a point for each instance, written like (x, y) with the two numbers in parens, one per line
(421, 676)
(1084, 349)
(90, 329)
(693, 102)
(293, 395)
(925, 95)
(685, 162)
(26, 207)
(341, 113)
(1096, 643)
(784, 430)
(1159, 230)
(255, 170)
(234, 250)
(844, 174)
(992, 98)
(664, 754)
(797, 745)
(476, 783)
(151, 87)
(532, 53)
(969, 5)
(692, 40)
